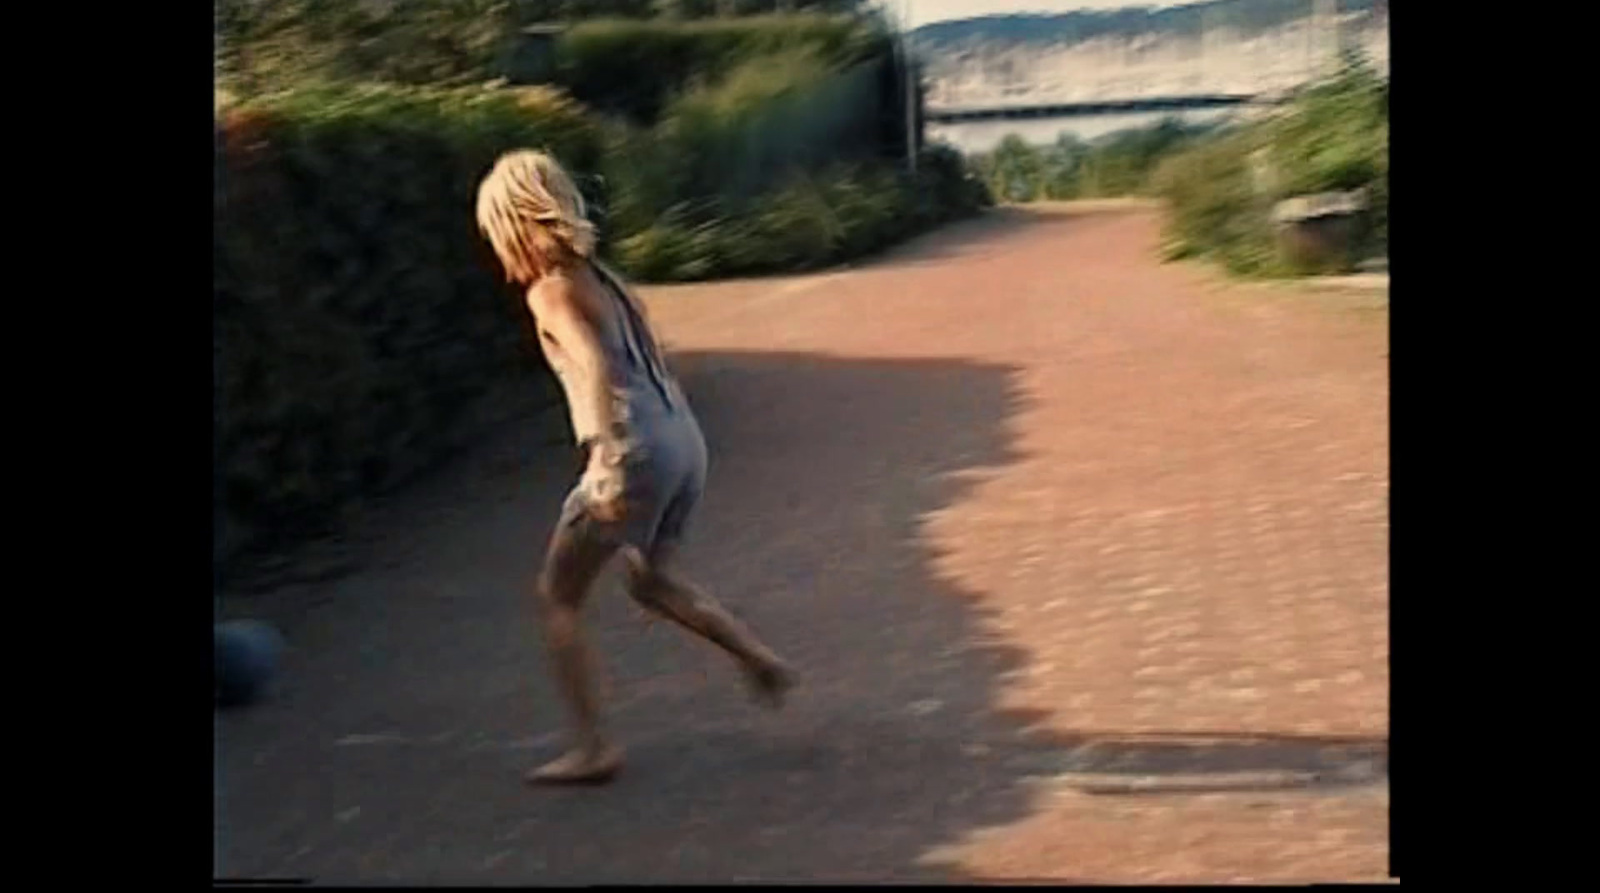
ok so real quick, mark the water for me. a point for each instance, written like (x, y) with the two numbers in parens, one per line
(982, 136)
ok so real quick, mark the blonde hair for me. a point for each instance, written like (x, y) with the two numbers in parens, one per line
(533, 215)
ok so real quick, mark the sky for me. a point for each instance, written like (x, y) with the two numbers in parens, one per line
(925, 11)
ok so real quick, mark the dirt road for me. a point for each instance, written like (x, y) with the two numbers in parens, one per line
(1084, 559)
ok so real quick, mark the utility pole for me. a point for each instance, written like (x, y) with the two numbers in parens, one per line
(906, 68)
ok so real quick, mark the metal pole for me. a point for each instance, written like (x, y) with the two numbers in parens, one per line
(911, 90)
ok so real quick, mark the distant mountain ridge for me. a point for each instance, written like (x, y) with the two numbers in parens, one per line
(1245, 16)
(1235, 47)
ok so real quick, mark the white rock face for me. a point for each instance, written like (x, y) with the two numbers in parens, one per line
(1222, 60)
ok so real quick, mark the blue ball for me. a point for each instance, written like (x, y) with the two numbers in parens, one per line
(247, 654)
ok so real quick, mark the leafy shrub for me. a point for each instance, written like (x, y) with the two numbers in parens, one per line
(1117, 165)
(634, 68)
(628, 65)
(1014, 170)
(266, 45)
(674, 248)
(768, 118)
(1214, 207)
(1332, 137)
(810, 220)
(361, 329)
(948, 186)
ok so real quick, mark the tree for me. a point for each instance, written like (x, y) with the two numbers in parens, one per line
(1017, 170)
(1062, 166)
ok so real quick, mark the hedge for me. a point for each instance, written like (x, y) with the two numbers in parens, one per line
(362, 330)
(269, 44)
(634, 68)
(628, 67)
(360, 326)
(811, 220)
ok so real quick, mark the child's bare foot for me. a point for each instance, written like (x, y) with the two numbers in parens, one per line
(770, 682)
(580, 766)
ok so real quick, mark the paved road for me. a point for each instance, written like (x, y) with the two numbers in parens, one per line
(1084, 558)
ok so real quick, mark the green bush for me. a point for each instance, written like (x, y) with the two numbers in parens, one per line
(809, 221)
(1014, 171)
(1214, 207)
(1122, 163)
(634, 68)
(360, 326)
(266, 45)
(627, 66)
(768, 118)
(1119, 164)
(674, 248)
(693, 196)
(1332, 137)
(948, 186)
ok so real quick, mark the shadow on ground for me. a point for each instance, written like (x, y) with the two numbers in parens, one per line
(416, 695)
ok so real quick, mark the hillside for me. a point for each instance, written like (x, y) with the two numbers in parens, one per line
(1248, 17)
(1226, 46)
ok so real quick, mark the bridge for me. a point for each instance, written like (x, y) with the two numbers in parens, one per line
(949, 115)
